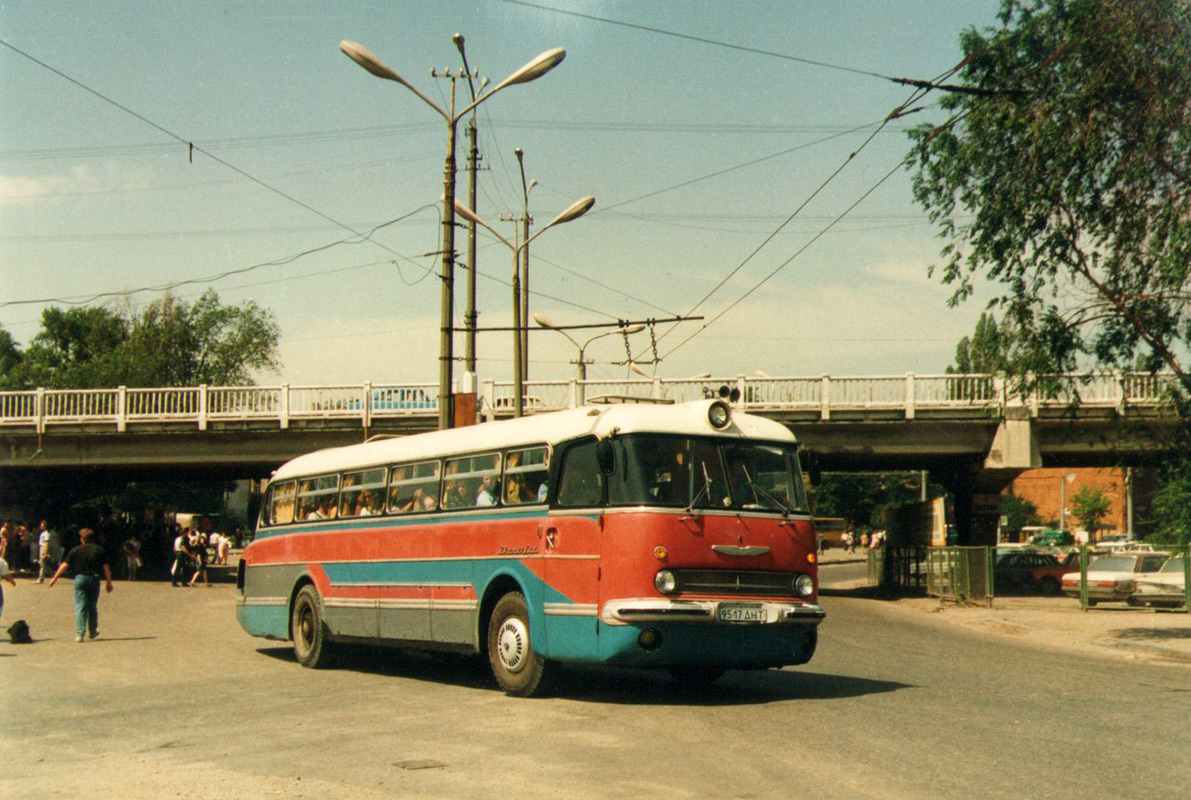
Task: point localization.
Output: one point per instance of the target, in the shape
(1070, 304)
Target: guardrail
(823, 394)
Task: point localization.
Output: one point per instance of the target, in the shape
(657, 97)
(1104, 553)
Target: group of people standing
(192, 552)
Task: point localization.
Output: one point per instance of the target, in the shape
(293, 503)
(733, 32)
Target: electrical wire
(166, 287)
(192, 147)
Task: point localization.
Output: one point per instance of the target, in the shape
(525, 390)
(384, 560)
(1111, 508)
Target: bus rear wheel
(309, 633)
(518, 669)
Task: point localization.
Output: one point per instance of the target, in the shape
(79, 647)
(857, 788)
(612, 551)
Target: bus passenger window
(363, 493)
(579, 484)
(317, 496)
(472, 481)
(414, 488)
(280, 508)
(525, 475)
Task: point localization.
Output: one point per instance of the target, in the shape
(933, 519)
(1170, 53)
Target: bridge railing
(824, 394)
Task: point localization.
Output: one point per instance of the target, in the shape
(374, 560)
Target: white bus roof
(551, 428)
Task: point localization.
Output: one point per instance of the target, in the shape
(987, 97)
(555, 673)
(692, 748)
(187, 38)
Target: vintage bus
(641, 535)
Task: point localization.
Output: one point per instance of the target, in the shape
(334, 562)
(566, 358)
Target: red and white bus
(640, 535)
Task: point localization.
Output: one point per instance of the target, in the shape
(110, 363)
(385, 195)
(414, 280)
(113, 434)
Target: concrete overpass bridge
(970, 431)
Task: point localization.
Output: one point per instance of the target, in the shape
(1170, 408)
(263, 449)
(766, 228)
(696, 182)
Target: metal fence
(1174, 577)
(956, 574)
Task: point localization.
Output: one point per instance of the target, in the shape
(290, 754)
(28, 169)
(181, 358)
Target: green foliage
(861, 498)
(1171, 506)
(1065, 180)
(10, 361)
(1018, 513)
(169, 343)
(986, 352)
(1090, 506)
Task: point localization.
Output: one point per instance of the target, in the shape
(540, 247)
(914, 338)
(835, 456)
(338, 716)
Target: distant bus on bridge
(642, 535)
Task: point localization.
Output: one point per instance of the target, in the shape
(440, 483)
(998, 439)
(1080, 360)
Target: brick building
(1042, 487)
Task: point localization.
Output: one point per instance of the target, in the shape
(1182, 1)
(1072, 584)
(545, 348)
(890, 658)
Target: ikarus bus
(675, 537)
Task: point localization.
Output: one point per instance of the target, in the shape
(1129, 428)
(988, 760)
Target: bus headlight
(666, 582)
(719, 415)
(804, 585)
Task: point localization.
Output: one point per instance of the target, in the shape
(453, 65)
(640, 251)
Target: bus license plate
(741, 614)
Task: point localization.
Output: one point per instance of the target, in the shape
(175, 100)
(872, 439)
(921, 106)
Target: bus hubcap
(513, 644)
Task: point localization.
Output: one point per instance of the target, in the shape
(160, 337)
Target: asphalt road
(174, 700)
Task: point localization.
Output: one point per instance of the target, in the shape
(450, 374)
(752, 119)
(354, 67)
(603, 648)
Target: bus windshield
(706, 472)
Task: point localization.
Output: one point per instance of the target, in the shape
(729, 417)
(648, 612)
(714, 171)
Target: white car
(1165, 588)
(1111, 577)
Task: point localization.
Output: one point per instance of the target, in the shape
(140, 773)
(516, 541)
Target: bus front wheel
(518, 669)
(309, 633)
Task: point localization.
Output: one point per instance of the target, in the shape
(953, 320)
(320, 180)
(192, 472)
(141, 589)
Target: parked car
(1165, 588)
(1052, 539)
(1027, 571)
(1111, 577)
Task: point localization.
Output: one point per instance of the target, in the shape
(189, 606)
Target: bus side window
(579, 483)
(472, 481)
(525, 475)
(363, 493)
(281, 503)
(317, 496)
(414, 488)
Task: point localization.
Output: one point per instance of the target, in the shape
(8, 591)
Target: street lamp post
(545, 322)
(531, 71)
(576, 210)
(526, 220)
(1066, 479)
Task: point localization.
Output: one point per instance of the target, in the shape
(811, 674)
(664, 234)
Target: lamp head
(368, 60)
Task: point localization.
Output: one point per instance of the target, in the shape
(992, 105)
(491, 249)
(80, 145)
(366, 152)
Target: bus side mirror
(813, 469)
(605, 456)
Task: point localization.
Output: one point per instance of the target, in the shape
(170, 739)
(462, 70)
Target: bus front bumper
(725, 612)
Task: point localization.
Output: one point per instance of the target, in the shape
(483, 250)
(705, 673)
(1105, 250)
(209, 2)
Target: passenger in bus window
(364, 506)
(485, 496)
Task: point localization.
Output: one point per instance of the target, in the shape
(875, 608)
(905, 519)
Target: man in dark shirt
(87, 563)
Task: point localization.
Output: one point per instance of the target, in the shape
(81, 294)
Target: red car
(1029, 572)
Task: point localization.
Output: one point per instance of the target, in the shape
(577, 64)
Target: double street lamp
(545, 322)
(531, 71)
(576, 210)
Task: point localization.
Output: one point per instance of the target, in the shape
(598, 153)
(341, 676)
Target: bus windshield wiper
(705, 490)
(760, 493)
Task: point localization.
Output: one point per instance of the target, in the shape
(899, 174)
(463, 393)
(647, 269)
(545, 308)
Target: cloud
(31, 190)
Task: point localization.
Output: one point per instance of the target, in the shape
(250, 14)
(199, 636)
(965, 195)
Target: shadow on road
(594, 684)
(1151, 634)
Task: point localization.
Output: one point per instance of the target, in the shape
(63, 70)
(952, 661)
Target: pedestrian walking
(132, 556)
(181, 558)
(5, 575)
(88, 563)
(198, 548)
(45, 541)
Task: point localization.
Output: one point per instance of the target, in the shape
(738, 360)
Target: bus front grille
(750, 583)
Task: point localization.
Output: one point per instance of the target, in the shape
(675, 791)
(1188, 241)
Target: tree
(1063, 177)
(11, 358)
(1090, 506)
(169, 343)
(174, 344)
(861, 498)
(78, 348)
(1018, 513)
(986, 352)
(1172, 503)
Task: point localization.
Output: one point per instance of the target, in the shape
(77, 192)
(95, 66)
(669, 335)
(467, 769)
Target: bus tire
(309, 632)
(518, 669)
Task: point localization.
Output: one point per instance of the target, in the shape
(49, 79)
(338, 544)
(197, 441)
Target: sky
(724, 143)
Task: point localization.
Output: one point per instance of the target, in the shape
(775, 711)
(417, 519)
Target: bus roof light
(719, 415)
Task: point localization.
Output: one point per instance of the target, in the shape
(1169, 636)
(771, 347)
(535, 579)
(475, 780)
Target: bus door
(572, 536)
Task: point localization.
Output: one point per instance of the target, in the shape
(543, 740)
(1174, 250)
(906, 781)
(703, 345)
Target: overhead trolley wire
(193, 148)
